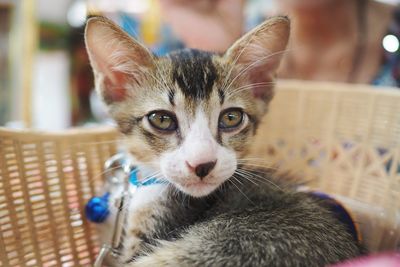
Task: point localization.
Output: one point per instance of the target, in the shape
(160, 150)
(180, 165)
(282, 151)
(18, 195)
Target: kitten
(189, 119)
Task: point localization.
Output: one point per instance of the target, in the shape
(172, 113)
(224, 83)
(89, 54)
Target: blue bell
(97, 208)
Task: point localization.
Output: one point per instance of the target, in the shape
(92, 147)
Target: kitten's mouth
(199, 184)
(198, 189)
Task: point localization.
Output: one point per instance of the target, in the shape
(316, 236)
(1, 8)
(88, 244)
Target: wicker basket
(344, 140)
(45, 181)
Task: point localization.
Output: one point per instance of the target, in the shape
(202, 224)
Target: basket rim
(340, 87)
(75, 132)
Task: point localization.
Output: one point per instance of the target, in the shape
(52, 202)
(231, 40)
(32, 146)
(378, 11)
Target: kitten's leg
(156, 213)
(169, 254)
(143, 209)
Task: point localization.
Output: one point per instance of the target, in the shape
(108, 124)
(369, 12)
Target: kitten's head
(192, 114)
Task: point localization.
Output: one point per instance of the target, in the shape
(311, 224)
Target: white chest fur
(142, 205)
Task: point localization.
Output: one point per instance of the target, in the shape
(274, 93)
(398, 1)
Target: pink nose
(202, 169)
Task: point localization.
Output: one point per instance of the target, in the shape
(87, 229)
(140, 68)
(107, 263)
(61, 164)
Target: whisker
(136, 35)
(133, 66)
(240, 182)
(238, 188)
(263, 178)
(255, 84)
(253, 64)
(252, 177)
(151, 176)
(164, 82)
(233, 64)
(247, 178)
(255, 160)
(252, 158)
(264, 181)
(103, 173)
(263, 166)
(248, 87)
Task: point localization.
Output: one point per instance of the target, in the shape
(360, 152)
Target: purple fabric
(378, 260)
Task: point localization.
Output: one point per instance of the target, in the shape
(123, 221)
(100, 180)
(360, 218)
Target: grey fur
(247, 225)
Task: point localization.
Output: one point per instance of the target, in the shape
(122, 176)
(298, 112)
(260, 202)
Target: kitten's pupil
(231, 117)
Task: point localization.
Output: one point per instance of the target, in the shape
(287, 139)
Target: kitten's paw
(146, 261)
(169, 254)
(154, 261)
(131, 248)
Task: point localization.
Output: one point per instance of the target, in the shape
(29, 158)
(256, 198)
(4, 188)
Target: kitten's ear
(258, 53)
(119, 62)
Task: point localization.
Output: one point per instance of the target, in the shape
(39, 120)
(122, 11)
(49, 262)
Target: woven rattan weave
(45, 181)
(342, 139)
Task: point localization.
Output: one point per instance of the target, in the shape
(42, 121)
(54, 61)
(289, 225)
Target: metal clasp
(119, 162)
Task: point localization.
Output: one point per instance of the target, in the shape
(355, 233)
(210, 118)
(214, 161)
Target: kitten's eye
(162, 120)
(230, 119)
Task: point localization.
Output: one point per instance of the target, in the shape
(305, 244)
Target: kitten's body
(190, 118)
(243, 224)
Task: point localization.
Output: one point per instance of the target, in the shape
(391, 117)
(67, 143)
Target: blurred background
(45, 78)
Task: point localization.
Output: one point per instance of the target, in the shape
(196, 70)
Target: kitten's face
(190, 115)
(189, 123)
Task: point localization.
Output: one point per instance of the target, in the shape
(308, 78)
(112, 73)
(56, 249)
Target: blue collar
(97, 209)
(150, 181)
